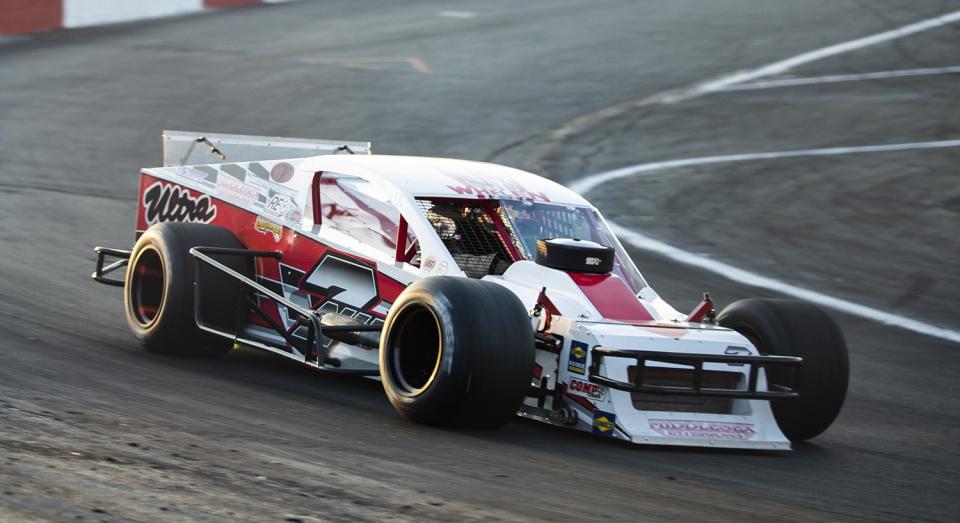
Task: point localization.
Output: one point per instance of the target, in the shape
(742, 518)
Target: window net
(470, 235)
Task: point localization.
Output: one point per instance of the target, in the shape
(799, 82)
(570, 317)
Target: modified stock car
(475, 292)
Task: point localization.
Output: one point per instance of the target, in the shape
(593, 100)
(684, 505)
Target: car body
(354, 230)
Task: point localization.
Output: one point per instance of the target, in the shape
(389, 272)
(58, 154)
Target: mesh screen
(673, 377)
(470, 235)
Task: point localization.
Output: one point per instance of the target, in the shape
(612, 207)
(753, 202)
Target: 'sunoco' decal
(578, 357)
(604, 423)
(164, 202)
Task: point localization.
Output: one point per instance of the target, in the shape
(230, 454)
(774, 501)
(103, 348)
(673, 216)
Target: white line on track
(835, 78)
(825, 52)
(641, 241)
(730, 272)
(585, 122)
(589, 183)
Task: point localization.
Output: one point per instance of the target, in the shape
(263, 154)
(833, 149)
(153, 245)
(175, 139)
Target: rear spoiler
(197, 148)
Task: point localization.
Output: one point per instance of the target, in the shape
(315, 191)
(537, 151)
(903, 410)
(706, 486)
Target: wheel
(796, 328)
(457, 351)
(159, 289)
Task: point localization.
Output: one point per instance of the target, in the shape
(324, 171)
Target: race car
(475, 292)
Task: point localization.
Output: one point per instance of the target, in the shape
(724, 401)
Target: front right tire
(797, 328)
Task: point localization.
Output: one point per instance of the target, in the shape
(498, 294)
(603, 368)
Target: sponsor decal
(585, 388)
(592, 260)
(268, 186)
(278, 205)
(265, 226)
(442, 268)
(163, 202)
(282, 172)
(604, 422)
(197, 175)
(484, 187)
(295, 215)
(577, 362)
(429, 263)
(230, 187)
(702, 429)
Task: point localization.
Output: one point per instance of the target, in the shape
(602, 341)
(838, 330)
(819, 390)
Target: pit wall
(27, 16)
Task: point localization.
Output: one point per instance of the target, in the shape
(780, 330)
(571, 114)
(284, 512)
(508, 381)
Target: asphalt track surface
(94, 428)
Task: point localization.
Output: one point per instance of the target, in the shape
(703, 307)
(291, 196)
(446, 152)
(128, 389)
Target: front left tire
(457, 351)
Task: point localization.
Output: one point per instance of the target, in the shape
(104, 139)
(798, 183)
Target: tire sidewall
(169, 317)
(440, 399)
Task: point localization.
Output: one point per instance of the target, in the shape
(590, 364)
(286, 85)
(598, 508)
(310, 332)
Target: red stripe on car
(611, 296)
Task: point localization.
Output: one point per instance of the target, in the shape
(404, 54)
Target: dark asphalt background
(94, 428)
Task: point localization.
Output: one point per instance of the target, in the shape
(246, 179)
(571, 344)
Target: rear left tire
(159, 289)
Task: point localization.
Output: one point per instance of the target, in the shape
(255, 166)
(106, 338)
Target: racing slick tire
(159, 289)
(457, 352)
(796, 328)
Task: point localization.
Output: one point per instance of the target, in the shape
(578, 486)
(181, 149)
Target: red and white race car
(475, 292)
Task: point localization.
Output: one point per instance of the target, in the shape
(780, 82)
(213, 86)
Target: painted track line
(589, 183)
(585, 122)
(730, 272)
(783, 66)
(643, 242)
(835, 78)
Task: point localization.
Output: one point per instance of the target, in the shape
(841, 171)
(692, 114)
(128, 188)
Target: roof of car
(446, 177)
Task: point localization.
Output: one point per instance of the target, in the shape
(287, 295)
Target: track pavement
(92, 427)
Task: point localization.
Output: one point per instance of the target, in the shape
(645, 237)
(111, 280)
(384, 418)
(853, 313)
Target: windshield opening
(532, 221)
(485, 237)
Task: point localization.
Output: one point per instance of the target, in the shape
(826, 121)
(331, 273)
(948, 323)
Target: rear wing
(197, 148)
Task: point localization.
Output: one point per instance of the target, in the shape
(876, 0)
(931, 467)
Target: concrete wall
(25, 16)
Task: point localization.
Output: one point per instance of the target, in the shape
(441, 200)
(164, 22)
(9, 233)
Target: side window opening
(473, 233)
(360, 209)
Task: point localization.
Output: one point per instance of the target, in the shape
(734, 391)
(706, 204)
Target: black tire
(457, 351)
(159, 287)
(796, 328)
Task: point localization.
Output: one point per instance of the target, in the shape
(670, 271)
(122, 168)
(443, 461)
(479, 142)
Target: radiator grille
(679, 377)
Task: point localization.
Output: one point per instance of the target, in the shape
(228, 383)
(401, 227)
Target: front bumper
(689, 385)
(696, 362)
